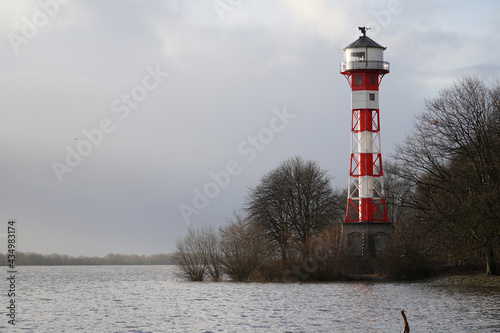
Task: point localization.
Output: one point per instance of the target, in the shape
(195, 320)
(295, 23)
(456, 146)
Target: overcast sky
(122, 122)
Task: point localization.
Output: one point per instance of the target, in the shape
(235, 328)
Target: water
(153, 299)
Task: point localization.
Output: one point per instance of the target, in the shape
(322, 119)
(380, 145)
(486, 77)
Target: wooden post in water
(406, 329)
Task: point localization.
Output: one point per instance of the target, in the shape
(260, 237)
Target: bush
(198, 254)
(243, 248)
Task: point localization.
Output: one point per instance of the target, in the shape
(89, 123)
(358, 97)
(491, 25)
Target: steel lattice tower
(364, 68)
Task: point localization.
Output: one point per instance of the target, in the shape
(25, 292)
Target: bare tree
(452, 160)
(292, 203)
(210, 251)
(189, 256)
(244, 248)
(396, 191)
(198, 254)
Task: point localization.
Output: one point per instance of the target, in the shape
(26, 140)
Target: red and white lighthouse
(366, 221)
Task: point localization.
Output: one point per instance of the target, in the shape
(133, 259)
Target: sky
(122, 123)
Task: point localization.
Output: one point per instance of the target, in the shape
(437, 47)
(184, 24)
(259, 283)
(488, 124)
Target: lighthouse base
(363, 243)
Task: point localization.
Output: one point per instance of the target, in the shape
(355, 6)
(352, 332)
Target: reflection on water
(152, 299)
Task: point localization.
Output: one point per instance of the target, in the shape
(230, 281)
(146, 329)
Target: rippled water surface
(152, 299)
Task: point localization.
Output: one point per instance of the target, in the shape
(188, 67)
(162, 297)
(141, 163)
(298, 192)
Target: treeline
(444, 184)
(289, 229)
(36, 259)
(442, 190)
(241, 251)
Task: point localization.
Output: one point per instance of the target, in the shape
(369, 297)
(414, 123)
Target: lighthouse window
(358, 56)
(359, 80)
(371, 97)
(371, 80)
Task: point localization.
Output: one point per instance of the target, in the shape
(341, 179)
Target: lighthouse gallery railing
(370, 64)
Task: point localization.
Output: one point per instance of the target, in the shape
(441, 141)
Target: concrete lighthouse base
(363, 244)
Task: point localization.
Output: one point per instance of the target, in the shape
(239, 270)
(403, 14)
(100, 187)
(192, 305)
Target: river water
(153, 299)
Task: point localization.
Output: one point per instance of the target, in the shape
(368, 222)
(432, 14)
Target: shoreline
(471, 280)
(465, 278)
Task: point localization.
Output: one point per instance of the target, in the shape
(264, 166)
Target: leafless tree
(292, 203)
(405, 241)
(396, 192)
(452, 160)
(198, 254)
(210, 251)
(243, 247)
(189, 257)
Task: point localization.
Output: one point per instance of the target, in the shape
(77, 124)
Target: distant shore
(54, 259)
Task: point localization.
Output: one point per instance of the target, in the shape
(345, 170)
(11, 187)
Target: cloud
(285, 60)
(325, 19)
(225, 78)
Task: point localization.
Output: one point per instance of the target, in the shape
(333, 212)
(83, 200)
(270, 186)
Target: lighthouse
(366, 226)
